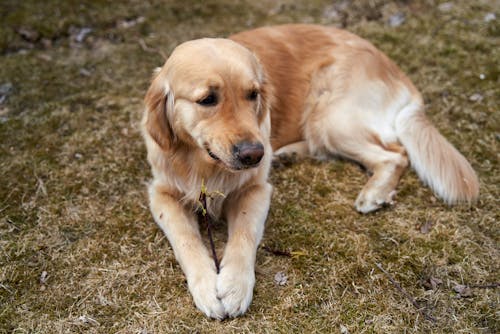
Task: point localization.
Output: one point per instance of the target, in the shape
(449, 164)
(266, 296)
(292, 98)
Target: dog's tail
(435, 160)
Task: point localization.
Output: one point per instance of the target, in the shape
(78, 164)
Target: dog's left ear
(159, 99)
(267, 98)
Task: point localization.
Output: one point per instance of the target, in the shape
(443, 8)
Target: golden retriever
(219, 108)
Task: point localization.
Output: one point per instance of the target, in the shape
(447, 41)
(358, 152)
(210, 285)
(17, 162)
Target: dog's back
(335, 93)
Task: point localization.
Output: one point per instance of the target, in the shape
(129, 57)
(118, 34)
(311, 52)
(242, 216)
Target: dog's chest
(217, 188)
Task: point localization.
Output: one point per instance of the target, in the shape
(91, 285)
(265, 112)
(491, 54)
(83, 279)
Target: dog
(218, 109)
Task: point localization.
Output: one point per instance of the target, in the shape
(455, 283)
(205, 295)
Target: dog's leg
(353, 138)
(387, 167)
(246, 215)
(357, 125)
(289, 154)
(385, 163)
(181, 229)
(299, 148)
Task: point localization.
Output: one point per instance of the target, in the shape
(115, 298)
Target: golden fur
(296, 88)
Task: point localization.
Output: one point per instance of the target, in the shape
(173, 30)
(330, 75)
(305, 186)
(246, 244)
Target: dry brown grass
(73, 173)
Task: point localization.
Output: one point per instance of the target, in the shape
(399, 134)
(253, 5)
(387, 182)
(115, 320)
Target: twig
(204, 216)
(277, 251)
(146, 48)
(406, 294)
(484, 286)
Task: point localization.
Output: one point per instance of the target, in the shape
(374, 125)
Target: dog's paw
(369, 201)
(235, 289)
(204, 292)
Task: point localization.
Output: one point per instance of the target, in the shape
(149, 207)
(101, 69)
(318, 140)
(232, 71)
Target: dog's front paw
(369, 201)
(203, 290)
(235, 288)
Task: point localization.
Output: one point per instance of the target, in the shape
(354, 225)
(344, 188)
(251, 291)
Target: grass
(73, 173)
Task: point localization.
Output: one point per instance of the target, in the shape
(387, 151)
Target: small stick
(485, 286)
(146, 48)
(277, 251)
(406, 294)
(203, 216)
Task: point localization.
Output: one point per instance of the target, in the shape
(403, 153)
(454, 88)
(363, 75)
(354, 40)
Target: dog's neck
(183, 169)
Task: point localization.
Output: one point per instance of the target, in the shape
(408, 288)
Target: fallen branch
(406, 294)
(204, 217)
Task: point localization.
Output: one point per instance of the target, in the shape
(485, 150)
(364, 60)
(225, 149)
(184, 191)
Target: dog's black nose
(247, 153)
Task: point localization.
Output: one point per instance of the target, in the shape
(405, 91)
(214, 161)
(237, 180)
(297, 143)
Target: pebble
(397, 19)
(476, 97)
(446, 6)
(280, 278)
(489, 17)
(5, 90)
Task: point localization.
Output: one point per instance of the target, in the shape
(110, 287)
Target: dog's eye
(209, 100)
(252, 95)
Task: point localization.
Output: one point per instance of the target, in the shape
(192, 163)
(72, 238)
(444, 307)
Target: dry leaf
(432, 283)
(463, 290)
(426, 227)
(296, 254)
(435, 282)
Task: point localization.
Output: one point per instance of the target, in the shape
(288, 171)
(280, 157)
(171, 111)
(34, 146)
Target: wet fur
(322, 91)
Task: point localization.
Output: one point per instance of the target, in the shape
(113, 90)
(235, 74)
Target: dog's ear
(267, 98)
(158, 101)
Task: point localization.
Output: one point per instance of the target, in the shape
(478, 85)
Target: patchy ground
(79, 252)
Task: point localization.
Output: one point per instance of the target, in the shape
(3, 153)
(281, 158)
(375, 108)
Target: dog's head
(210, 95)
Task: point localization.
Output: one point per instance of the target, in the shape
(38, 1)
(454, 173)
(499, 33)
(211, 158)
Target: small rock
(28, 34)
(43, 277)
(426, 227)
(47, 43)
(432, 283)
(5, 90)
(78, 156)
(397, 19)
(476, 97)
(4, 111)
(435, 282)
(44, 56)
(79, 35)
(125, 24)
(331, 13)
(463, 290)
(446, 6)
(88, 320)
(85, 72)
(276, 9)
(280, 278)
(489, 17)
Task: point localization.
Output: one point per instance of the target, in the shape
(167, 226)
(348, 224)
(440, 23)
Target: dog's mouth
(234, 165)
(213, 156)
